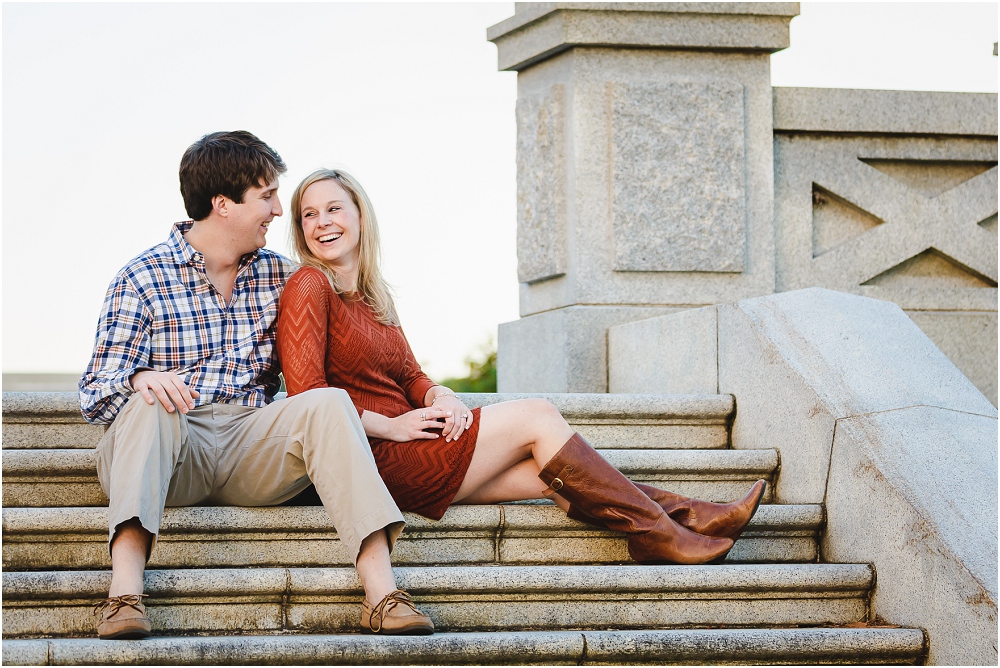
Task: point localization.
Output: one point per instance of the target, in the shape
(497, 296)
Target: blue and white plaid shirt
(162, 313)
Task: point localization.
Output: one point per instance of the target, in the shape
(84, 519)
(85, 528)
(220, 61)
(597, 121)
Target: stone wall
(893, 195)
(658, 171)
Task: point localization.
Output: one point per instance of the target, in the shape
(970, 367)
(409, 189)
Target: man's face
(248, 220)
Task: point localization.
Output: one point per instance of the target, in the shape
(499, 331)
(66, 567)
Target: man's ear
(220, 205)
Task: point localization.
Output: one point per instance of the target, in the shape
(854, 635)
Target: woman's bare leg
(510, 433)
(518, 483)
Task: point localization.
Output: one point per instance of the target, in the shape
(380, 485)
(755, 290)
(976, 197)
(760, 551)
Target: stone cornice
(538, 31)
(885, 111)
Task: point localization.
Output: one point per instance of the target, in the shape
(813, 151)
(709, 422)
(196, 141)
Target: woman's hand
(457, 418)
(411, 426)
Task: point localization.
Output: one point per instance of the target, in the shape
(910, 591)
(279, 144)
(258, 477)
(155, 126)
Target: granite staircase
(505, 584)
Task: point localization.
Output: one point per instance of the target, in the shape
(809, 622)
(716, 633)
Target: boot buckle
(557, 482)
(553, 487)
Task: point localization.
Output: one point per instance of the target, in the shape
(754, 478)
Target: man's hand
(167, 386)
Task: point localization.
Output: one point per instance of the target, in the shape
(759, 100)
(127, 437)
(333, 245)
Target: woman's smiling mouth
(328, 238)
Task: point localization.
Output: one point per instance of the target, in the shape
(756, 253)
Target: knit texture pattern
(330, 340)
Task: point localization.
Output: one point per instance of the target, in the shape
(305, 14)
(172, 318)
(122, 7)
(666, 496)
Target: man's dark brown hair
(228, 164)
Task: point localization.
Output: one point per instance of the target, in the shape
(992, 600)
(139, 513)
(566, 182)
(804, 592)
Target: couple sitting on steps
(185, 368)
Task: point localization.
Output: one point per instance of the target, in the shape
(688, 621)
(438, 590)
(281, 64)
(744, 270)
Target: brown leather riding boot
(705, 517)
(709, 519)
(598, 489)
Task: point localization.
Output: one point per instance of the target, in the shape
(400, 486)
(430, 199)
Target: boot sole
(719, 560)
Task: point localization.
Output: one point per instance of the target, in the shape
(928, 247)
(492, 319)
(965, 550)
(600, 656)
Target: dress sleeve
(412, 379)
(303, 316)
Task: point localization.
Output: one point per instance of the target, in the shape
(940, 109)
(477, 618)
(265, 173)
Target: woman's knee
(543, 410)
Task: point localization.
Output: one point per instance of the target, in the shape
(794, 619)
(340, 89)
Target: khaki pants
(220, 454)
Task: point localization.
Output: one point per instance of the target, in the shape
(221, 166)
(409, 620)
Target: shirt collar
(185, 253)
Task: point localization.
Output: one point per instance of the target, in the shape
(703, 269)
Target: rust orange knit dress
(330, 340)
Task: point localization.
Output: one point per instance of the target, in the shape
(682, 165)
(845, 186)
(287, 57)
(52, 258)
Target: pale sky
(100, 101)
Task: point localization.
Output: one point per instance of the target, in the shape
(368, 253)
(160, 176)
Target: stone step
(857, 646)
(635, 421)
(76, 538)
(68, 477)
(457, 598)
(53, 420)
(46, 420)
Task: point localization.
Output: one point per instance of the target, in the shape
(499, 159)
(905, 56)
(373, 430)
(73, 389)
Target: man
(184, 372)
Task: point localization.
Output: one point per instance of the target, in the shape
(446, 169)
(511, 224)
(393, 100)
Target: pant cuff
(388, 518)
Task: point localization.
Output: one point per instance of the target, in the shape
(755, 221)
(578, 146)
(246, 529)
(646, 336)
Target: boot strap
(557, 482)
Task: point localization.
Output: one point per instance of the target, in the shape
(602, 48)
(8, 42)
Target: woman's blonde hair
(371, 286)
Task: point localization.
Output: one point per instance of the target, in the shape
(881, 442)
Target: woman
(337, 326)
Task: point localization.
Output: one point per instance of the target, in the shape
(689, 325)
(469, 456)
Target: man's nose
(276, 208)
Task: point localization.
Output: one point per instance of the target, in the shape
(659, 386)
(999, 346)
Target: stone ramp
(458, 598)
(76, 538)
(68, 476)
(878, 646)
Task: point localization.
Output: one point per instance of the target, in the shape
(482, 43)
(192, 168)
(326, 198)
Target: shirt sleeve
(303, 316)
(412, 379)
(122, 346)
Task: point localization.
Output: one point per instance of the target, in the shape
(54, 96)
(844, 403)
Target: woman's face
(331, 224)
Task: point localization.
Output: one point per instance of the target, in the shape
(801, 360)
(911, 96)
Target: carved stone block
(903, 219)
(541, 193)
(678, 177)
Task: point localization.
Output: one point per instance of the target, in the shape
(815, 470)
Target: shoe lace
(116, 603)
(398, 597)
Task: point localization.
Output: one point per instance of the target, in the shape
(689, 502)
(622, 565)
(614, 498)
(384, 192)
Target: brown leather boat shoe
(123, 617)
(395, 615)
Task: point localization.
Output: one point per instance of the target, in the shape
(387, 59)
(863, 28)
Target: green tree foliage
(482, 371)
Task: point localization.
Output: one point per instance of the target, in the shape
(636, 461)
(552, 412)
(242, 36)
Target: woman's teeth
(329, 237)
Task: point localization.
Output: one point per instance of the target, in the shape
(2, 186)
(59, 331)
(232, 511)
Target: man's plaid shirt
(162, 313)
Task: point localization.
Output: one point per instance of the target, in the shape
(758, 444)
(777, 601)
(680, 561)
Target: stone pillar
(645, 172)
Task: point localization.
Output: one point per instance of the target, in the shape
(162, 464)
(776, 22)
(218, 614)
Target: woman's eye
(334, 208)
